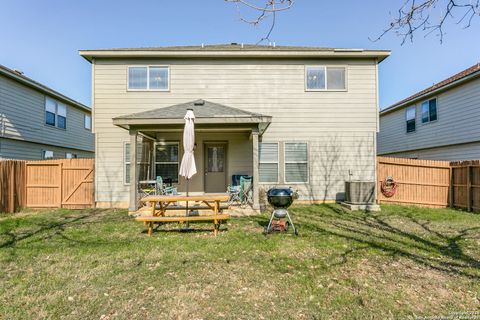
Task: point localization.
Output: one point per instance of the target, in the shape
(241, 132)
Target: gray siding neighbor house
(37, 122)
(438, 123)
(303, 117)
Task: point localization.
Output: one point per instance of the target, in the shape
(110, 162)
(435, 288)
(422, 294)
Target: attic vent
(199, 103)
(20, 72)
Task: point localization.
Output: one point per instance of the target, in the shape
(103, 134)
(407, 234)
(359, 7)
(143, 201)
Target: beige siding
(343, 121)
(24, 150)
(458, 113)
(467, 151)
(22, 117)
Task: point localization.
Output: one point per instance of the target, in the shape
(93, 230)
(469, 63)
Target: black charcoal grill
(280, 199)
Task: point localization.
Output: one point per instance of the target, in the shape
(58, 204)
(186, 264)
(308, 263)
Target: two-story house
(438, 123)
(37, 122)
(295, 116)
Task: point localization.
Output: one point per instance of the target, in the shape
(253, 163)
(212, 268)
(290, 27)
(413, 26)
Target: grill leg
(267, 230)
(291, 222)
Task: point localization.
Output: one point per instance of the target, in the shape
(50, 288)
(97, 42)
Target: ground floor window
(296, 162)
(144, 156)
(166, 161)
(268, 162)
(70, 155)
(47, 154)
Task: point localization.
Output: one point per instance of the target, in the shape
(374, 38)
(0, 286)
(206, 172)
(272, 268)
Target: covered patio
(226, 140)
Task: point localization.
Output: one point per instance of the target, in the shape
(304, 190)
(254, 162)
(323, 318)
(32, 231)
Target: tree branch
(414, 16)
(269, 9)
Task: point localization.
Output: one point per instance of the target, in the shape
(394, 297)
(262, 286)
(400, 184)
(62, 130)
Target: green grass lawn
(402, 262)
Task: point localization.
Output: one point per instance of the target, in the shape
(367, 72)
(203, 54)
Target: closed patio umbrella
(187, 167)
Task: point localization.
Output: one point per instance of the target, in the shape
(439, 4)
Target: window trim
(172, 142)
(56, 114)
(148, 66)
(285, 162)
(436, 107)
(325, 66)
(277, 163)
(84, 118)
(415, 118)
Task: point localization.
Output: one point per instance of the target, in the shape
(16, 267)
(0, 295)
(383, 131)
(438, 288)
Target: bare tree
(262, 10)
(430, 16)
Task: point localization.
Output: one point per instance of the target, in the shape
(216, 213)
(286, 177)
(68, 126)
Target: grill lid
(280, 192)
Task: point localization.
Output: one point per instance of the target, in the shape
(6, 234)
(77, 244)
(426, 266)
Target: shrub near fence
(12, 185)
(432, 183)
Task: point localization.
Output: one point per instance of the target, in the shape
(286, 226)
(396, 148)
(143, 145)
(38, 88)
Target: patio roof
(206, 112)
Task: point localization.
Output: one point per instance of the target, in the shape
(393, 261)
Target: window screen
(268, 162)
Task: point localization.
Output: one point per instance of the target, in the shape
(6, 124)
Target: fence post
(469, 189)
(60, 165)
(452, 188)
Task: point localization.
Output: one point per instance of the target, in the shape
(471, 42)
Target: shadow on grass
(52, 226)
(416, 240)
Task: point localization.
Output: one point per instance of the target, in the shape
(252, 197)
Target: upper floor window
(429, 110)
(55, 113)
(322, 78)
(87, 122)
(410, 115)
(148, 78)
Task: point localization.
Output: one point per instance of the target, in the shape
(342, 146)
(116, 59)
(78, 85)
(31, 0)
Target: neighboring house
(438, 123)
(292, 116)
(37, 122)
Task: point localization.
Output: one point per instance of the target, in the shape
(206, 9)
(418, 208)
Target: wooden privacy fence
(64, 183)
(12, 185)
(431, 183)
(465, 186)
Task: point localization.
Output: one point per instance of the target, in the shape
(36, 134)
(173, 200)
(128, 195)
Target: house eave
(128, 123)
(380, 55)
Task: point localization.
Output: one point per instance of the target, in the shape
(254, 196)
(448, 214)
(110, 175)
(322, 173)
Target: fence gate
(66, 183)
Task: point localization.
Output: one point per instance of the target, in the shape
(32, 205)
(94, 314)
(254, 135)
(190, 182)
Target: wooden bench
(165, 203)
(216, 219)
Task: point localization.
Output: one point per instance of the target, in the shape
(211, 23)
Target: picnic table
(160, 204)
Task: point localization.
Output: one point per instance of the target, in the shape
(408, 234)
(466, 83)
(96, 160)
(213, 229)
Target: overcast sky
(42, 37)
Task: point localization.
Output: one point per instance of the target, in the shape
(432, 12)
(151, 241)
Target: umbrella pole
(186, 208)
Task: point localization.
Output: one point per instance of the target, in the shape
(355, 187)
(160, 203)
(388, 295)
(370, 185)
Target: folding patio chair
(246, 191)
(162, 189)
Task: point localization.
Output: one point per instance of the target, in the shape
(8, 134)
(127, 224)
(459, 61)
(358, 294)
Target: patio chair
(246, 191)
(234, 190)
(162, 189)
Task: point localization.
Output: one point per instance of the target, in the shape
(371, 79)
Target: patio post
(133, 203)
(256, 203)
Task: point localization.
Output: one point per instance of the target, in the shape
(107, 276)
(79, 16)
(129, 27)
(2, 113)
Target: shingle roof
(201, 109)
(230, 46)
(17, 76)
(457, 77)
